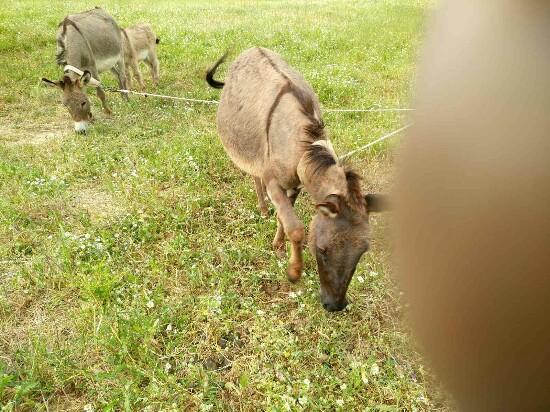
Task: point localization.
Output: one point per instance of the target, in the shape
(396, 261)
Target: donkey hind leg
(260, 193)
(293, 227)
(101, 95)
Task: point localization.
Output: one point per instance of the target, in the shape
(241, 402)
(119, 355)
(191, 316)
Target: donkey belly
(106, 63)
(244, 149)
(142, 55)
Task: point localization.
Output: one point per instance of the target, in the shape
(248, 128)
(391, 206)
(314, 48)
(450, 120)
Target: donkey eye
(83, 105)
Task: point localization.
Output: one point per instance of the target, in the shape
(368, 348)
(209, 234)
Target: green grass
(135, 270)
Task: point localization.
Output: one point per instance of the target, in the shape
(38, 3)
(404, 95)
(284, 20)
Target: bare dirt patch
(31, 135)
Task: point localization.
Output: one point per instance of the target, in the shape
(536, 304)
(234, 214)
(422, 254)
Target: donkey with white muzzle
(88, 44)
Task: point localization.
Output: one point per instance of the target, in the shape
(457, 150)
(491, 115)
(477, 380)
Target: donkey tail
(210, 74)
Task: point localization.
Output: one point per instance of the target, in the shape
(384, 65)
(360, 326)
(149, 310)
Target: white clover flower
(340, 402)
(169, 327)
(307, 382)
(373, 273)
(360, 279)
(167, 367)
(302, 400)
(88, 408)
(374, 369)
(150, 304)
(343, 386)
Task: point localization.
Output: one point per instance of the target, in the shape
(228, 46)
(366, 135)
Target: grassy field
(136, 272)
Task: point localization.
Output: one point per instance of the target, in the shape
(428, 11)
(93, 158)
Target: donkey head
(75, 99)
(338, 237)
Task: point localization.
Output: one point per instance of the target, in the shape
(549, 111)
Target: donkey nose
(80, 127)
(335, 306)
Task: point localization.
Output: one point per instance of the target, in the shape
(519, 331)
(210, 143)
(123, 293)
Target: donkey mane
(319, 158)
(60, 57)
(316, 156)
(355, 197)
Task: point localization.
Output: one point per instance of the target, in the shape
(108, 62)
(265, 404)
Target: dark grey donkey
(88, 44)
(269, 121)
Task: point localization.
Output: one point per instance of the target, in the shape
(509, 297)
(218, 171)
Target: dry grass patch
(98, 204)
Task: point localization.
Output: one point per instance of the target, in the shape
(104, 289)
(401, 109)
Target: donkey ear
(330, 207)
(85, 78)
(58, 83)
(377, 203)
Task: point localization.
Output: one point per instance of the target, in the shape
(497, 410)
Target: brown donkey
(269, 121)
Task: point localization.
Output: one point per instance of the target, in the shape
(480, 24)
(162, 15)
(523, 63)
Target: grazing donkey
(140, 44)
(269, 121)
(88, 43)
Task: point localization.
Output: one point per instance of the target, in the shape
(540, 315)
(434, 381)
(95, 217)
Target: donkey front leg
(260, 193)
(128, 77)
(102, 97)
(292, 226)
(137, 73)
(153, 62)
(120, 72)
(279, 240)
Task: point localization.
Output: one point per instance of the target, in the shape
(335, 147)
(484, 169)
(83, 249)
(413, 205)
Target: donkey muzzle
(81, 127)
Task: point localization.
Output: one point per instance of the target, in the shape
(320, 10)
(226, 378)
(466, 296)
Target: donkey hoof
(264, 211)
(294, 274)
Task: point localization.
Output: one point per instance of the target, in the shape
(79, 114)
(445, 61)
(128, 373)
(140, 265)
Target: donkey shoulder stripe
(284, 90)
(272, 64)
